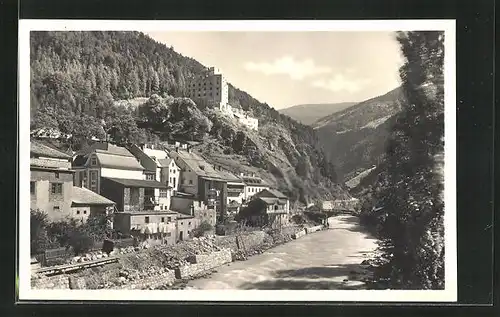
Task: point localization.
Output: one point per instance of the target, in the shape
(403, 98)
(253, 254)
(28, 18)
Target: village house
(114, 172)
(160, 167)
(188, 205)
(52, 190)
(156, 227)
(201, 180)
(271, 207)
(103, 159)
(253, 185)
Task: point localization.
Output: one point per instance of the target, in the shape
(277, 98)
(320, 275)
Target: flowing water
(329, 259)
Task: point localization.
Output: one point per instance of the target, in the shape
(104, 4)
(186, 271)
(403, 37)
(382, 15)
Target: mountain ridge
(309, 113)
(354, 138)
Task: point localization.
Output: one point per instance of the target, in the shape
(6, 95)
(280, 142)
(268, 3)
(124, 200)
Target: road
(329, 259)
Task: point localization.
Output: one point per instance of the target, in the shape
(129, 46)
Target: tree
(411, 227)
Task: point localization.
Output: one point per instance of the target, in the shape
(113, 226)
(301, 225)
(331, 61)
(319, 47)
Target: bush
(40, 240)
(80, 241)
(202, 229)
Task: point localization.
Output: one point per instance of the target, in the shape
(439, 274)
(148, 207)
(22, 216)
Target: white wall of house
(252, 190)
(122, 174)
(170, 175)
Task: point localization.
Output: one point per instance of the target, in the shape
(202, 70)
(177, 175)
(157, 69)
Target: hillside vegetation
(127, 85)
(309, 113)
(354, 139)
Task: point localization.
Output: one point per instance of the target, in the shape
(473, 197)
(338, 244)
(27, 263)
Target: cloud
(287, 65)
(341, 83)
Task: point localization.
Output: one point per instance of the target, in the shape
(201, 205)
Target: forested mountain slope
(81, 83)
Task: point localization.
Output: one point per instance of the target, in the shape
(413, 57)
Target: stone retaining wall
(250, 240)
(203, 263)
(313, 229)
(299, 234)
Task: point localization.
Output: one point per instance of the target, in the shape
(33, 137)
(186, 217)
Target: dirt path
(329, 259)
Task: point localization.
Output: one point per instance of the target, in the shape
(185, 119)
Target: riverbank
(167, 267)
(338, 258)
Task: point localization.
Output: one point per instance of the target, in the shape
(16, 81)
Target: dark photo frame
(475, 129)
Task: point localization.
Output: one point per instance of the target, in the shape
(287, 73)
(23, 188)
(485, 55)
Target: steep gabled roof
(198, 165)
(83, 196)
(39, 149)
(164, 162)
(118, 161)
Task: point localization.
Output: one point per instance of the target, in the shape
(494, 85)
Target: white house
(253, 185)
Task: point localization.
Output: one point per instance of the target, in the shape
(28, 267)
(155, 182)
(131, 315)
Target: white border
(447, 295)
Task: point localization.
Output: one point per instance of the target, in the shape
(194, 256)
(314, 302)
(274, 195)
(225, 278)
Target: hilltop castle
(213, 87)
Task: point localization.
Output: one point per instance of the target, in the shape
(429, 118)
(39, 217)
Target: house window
(78, 212)
(56, 209)
(85, 212)
(93, 161)
(57, 174)
(169, 219)
(190, 182)
(56, 188)
(146, 219)
(150, 177)
(162, 219)
(189, 223)
(182, 223)
(163, 193)
(32, 188)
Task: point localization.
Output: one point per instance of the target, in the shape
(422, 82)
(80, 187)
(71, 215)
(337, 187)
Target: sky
(285, 69)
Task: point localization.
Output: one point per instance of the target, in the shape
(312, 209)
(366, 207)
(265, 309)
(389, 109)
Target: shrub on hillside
(203, 228)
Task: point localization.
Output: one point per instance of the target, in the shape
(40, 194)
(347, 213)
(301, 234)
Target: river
(329, 259)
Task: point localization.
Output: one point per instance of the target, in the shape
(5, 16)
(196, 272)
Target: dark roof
(272, 201)
(39, 149)
(272, 192)
(83, 196)
(254, 181)
(137, 182)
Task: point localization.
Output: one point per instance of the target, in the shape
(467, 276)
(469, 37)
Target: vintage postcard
(237, 160)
